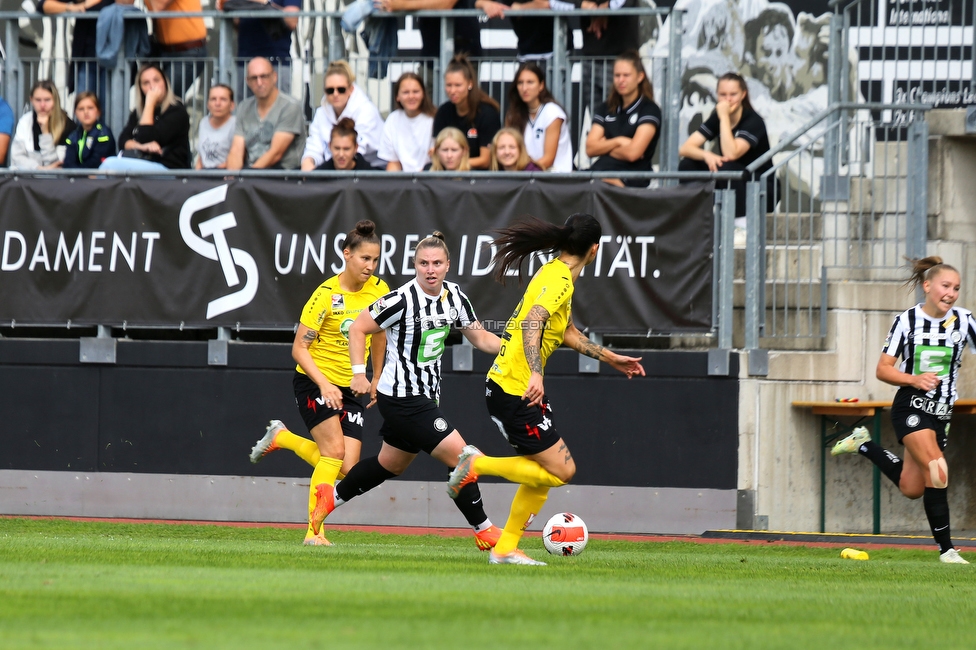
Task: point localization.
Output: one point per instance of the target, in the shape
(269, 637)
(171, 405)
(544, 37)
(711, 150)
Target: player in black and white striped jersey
(417, 318)
(930, 338)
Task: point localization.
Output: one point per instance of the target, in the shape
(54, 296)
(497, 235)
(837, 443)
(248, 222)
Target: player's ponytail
(925, 269)
(435, 240)
(531, 235)
(363, 233)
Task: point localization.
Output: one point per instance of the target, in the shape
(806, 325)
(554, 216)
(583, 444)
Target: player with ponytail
(419, 316)
(930, 338)
(515, 391)
(332, 413)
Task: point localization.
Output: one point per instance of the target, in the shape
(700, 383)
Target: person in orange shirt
(182, 42)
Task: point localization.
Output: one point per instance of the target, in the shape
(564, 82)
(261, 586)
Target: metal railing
(577, 83)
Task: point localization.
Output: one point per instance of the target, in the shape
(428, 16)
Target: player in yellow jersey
(333, 415)
(514, 388)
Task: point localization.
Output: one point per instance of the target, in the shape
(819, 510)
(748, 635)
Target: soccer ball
(565, 534)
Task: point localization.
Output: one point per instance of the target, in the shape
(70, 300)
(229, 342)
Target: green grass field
(69, 584)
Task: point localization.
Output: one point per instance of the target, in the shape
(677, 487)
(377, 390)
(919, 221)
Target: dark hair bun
(438, 234)
(365, 227)
(346, 123)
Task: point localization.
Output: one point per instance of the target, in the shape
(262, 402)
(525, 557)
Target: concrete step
(890, 158)
(794, 228)
(786, 262)
(843, 294)
(878, 194)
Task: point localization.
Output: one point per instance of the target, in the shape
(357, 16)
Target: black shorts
(529, 429)
(412, 424)
(314, 412)
(911, 412)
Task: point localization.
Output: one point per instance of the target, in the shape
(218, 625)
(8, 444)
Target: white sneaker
(516, 557)
(851, 443)
(266, 445)
(952, 557)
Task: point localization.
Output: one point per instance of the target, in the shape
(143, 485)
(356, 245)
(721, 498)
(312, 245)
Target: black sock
(889, 464)
(363, 477)
(469, 502)
(936, 504)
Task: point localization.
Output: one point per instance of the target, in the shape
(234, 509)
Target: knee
(912, 492)
(566, 472)
(939, 473)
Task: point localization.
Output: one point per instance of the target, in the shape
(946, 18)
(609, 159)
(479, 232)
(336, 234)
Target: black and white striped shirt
(927, 344)
(417, 326)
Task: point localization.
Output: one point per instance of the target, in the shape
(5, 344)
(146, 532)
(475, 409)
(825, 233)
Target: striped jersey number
(432, 344)
(933, 358)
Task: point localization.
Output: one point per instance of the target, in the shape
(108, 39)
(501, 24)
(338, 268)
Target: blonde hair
(58, 120)
(434, 240)
(451, 133)
(340, 66)
(170, 98)
(523, 157)
(925, 269)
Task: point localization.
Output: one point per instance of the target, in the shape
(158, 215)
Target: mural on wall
(781, 54)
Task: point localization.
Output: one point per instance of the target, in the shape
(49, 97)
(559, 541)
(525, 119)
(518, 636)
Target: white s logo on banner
(219, 250)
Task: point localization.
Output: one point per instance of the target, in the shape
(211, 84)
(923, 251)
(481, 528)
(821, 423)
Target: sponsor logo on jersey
(472, 133)
(933, 358)
(344, 327)
(633, 119)
(338, 302)
(440, 424)
(913, 420)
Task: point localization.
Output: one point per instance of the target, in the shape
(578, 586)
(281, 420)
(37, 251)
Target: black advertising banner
(249, 252)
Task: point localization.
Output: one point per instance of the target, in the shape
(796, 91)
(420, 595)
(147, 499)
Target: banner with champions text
(249, 252)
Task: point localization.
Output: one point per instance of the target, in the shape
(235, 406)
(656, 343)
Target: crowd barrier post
(672, 109)
(11, 73)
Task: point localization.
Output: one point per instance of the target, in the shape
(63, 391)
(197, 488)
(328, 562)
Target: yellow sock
(526, 506)
(304, 448)
(326, 471)
(516, 469)
(340, 476)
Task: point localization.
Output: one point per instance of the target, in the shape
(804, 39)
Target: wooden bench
(830, 412)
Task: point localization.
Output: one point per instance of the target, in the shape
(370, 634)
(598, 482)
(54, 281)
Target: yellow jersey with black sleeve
(330, 311)
(552, 289)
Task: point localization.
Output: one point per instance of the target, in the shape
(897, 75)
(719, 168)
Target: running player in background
(930, 339)
(419, 315)
(332, 413)
(514, 389)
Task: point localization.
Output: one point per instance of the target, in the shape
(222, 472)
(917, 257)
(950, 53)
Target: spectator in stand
(270, 130)
(508, 153)
(533, 111)
(39, 141)
(157, 135)
(83, 73)
(742, 139)
(255, 39)
(343, 98)
(6, 130)
(405, 145)
(604, 37)
(626, 127)
(91, 142)
(534, 33)
(467, 31)
(469, 110)
(216, 132)
(344, 147)
(450, 152)
(182, 42)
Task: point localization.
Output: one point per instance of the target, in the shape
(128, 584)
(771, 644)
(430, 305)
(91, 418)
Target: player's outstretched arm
(629, 366)
(487, 342)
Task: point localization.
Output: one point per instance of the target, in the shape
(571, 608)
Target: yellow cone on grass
(853, 554)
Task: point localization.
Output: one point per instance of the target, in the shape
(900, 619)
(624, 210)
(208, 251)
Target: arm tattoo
(532, 337)
(589, 348)
(569, 456)
(310, 336)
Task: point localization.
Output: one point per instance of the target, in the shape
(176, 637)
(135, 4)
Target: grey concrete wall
(397, 503)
